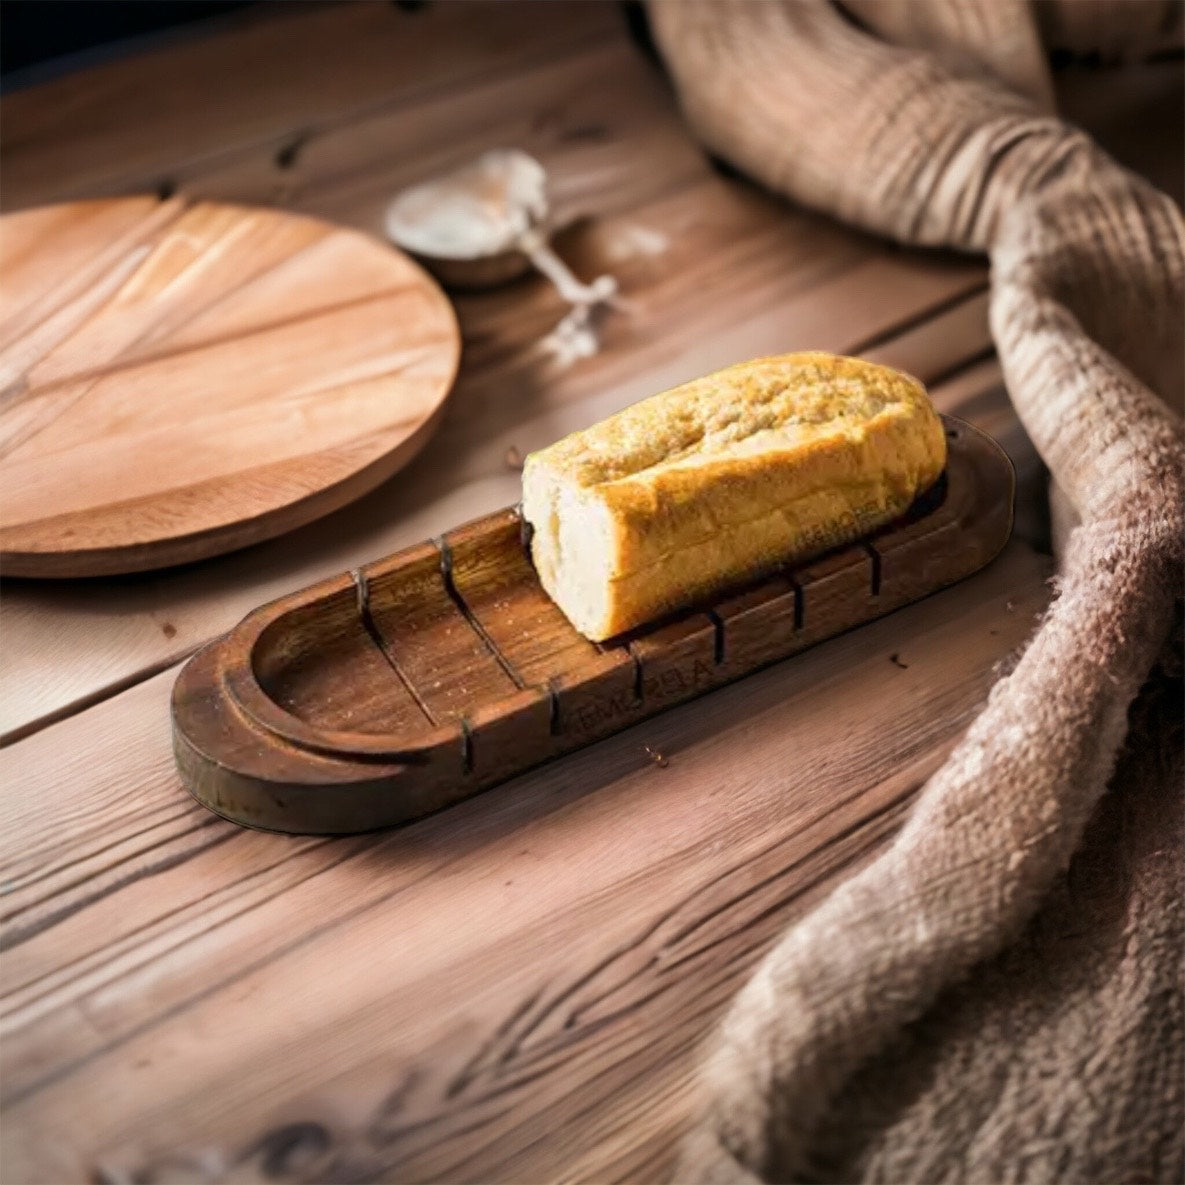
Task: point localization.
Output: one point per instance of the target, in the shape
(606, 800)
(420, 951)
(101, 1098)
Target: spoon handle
(573, 290)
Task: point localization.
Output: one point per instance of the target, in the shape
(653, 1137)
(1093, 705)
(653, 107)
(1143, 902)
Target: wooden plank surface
(67, 644)
(266, 84)
(501, 991)
(713, 271)
(514, 989)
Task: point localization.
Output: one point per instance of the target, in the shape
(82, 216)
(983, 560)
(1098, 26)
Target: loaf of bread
(719, 481)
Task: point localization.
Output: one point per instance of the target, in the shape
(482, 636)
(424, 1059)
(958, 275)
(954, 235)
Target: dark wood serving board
(422, 678)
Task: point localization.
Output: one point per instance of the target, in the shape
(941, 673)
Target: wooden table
(514, 989)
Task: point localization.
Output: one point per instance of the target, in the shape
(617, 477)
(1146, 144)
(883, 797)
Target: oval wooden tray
(414, 682)
(178, 380)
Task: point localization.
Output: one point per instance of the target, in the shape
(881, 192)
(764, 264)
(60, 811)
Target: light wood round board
(178, 380)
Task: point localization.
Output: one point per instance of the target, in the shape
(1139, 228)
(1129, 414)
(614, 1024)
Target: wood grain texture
(287, 73)
(115, 632)
(713, 270)
(513, 989)
(182, 380)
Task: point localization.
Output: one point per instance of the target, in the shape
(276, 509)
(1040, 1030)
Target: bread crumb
(659, 759)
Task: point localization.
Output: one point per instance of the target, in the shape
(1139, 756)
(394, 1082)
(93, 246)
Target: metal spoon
(485, 224)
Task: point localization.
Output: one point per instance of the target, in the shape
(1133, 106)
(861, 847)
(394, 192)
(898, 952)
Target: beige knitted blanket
(998, 997)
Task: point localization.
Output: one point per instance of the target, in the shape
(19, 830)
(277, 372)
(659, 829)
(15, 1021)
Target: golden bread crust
(722, 479)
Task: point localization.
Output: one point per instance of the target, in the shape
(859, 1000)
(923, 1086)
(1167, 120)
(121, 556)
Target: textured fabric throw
(998, 997)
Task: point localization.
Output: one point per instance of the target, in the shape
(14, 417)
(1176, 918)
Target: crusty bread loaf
(723, 479)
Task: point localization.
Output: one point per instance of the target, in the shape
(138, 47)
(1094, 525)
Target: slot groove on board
(718, 649)
(875, 558)
(593, 685)
(639, 675)
(362, 586)
(450, 587)
(553, 709)
(466, 745)
(799, 605)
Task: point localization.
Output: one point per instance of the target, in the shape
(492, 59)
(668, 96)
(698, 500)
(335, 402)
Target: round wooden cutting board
(178, 380)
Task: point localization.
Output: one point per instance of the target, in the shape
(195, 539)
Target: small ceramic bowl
(485, 224)
(466, 227)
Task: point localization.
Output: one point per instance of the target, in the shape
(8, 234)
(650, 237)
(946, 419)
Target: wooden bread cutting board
(181, 379)
(425, 677)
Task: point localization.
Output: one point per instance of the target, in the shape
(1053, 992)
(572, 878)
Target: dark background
(37, 33)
